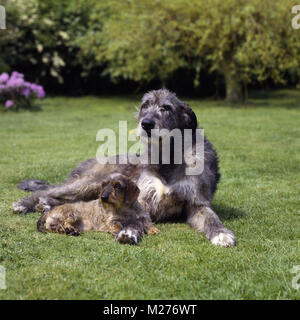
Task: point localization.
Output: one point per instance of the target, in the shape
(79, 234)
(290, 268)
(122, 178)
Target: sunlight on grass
(258, 198)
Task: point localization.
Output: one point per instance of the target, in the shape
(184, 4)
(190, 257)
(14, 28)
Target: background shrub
(17, 93)
(198, 46)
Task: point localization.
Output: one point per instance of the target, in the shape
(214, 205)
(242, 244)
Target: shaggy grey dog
(166, 190)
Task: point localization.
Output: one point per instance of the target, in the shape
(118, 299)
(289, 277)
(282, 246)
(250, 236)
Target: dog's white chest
(156, 197)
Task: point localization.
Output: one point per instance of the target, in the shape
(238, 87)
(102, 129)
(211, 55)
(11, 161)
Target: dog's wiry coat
(166, 191)
(120, 210)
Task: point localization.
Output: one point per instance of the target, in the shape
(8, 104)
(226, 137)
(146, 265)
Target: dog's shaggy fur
(166, 191)
(116, 208)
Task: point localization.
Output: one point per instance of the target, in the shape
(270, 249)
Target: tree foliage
(242, 41)
(133, 43)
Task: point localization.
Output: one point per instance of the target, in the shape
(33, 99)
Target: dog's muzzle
(148, 125)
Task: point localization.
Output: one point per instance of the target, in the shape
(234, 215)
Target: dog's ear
(189, 117)
(132, 192)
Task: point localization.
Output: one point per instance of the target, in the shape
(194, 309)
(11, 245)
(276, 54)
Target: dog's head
(118, 191)
(161, 109)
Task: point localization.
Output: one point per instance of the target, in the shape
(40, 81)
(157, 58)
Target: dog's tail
(33, 185)
(41, 223)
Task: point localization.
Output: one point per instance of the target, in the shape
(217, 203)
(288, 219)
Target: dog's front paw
(128, 236)
(223, 237)
(18, 207)
(71, 231)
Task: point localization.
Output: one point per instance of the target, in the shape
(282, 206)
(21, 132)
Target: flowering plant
(15, 92)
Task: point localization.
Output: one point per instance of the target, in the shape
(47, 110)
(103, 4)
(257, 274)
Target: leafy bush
(243, 41)
(17, 93)
(70, 44)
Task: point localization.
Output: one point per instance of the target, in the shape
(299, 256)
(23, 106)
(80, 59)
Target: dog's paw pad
(224, 239)
(127, 236)
(18, 208)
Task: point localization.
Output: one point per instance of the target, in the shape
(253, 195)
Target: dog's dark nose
(148, 124)
(104, 197)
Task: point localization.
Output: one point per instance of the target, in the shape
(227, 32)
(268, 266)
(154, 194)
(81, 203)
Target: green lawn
(258, 198)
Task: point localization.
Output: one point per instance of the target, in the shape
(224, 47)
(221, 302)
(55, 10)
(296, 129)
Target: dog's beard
(108, 206)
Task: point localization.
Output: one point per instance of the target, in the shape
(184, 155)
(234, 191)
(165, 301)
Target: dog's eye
(144, 106)
(165, 107)
(117, 185)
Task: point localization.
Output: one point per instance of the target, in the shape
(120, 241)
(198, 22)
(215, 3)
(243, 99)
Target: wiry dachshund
(116, 208)
(166, 190)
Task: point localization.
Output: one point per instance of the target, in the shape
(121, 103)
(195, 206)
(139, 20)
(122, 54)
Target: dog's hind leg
(59, 221)
(33, 185)
(205, 220)
(63, 226)
(40, 201)
(70, 227)
(37, 185)
(82, 189)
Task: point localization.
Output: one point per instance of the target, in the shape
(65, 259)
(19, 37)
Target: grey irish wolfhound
(166, 191)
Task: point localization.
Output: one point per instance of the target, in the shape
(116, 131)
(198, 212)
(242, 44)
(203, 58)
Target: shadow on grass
(227, 213)
(286, 98)
(33, 108)
(36, 108)
(224, 213)
(289, 99)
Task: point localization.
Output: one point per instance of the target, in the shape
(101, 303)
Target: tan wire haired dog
(116, 208)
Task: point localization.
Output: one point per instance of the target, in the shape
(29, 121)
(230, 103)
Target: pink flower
(25, 92)
(14, 89)
(27, 84)
(17, 75)
(15, 82)
(4, 77)
(9, 103)
(39, 90)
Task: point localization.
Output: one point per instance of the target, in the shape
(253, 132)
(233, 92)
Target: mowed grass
(258, 198)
